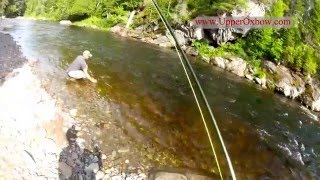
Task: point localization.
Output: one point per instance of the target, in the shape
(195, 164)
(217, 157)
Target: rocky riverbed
(33, 127)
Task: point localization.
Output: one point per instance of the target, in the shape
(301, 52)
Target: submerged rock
(65, 22)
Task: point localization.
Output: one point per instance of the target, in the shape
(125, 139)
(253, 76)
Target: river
(143, 104)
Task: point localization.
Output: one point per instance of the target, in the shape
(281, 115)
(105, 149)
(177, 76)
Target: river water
(143, 104)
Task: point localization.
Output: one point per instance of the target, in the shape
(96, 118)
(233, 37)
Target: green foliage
(3, 5)
(276, 49)
(224, 50)
(102, 23)
(91, 12)
(149, 14)
(289, 46)
(259, 73)
(12, 8)
(278, 9)
(213, 7)
(286, 46)
(314, 25)
(204, 49)
(297, 47)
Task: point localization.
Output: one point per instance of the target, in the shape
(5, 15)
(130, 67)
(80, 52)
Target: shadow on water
(142, 102)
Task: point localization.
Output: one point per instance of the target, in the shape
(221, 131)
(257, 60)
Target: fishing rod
(187, 66)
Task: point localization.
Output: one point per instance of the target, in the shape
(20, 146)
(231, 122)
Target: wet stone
(74, 155)
(99, 175)
(113, 155)
(65, 170)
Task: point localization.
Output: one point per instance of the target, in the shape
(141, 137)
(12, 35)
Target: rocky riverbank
(10, 58)
(278, 78)
(33, 144)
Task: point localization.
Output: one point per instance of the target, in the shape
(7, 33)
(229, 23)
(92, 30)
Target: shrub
(101, 22)
(259, 73)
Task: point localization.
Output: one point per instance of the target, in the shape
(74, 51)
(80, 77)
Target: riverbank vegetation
(297, 47)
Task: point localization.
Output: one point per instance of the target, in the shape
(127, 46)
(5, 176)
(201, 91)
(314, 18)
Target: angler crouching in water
(78, 69)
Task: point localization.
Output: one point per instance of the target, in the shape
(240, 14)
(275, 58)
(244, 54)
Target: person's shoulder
(79, 57)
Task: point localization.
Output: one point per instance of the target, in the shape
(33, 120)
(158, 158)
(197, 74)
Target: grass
(100, 23)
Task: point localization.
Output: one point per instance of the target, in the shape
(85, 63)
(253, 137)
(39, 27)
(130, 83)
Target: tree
(3, 5)
(15, 8)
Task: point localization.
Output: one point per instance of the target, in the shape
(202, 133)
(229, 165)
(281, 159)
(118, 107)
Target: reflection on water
(142, 101)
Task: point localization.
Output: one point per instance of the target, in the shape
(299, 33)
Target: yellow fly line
(186, 65)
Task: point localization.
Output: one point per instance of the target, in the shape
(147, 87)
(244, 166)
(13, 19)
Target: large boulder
(270, 67)
(161, 39)
(219, 61)
(292, 85)
(65, 22)
(261, 81)
(222, 35)
(311, 96)
(237, 66)
(253, 9)
(198, 34)
(285, 81)
(180, 36)
(234, 65)
(166, 45)
(135, 34)
(192, 51)
(116, 29)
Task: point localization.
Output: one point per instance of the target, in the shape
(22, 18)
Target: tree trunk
(130, 19)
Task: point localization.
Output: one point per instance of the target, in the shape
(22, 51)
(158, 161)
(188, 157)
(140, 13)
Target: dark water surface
(143, 90)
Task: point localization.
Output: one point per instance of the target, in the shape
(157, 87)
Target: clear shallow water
(143, 90)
